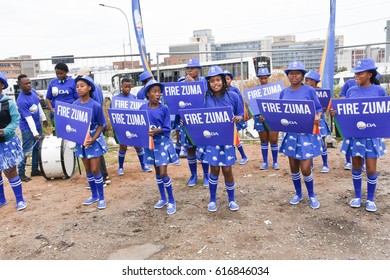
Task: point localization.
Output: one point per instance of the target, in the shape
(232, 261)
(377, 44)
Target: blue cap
(181, 79)
(87, 79)
(229, 74)
(263, 72)
(194, 63)
(214, 71)
(296, 66)
(3, 79)
(150, 84)
(145, 75)
(314, 76)
(364, 64)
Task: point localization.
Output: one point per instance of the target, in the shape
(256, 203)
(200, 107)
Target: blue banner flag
(72, 122)
(183, 95)
(363, 117)
(268, 91)
(327, 61)
(209, 126)
(139, 33)
(131, 126)
(324, 96)
(289, 115)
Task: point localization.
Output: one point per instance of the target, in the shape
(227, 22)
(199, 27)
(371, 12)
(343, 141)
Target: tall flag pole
(327, 61)
(139, 33)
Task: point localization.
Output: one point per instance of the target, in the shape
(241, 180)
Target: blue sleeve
(239, 110)
(49, 94)
(24, 110)
(344, 89)
(167, 120)
(100, 115)
(9, 130)
(382, 91)
(317, 103)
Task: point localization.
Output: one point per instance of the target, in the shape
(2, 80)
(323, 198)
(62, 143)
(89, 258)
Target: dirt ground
(57, 226)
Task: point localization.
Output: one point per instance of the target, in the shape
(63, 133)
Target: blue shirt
(236, 90)
(159, 117)
(303, 93)
(348, 84)
(97, 113)
(229, 99)
(371, 91)
(28, 105)
(64, 92)
(141, 94)
(97, 95)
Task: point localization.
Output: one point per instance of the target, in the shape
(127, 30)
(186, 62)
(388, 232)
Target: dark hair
(21, 76)
(373, 79)
(125, 80)
(62, 66)
(224, 85)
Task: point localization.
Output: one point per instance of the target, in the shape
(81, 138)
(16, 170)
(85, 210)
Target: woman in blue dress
(164, 151)
(94, 146)
(10, 147)
(312, 79)
(242, 124)
(301, 148)
(220, 157)
(369, 148)
(266, 136)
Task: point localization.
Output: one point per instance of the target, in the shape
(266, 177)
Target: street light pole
(128, 30)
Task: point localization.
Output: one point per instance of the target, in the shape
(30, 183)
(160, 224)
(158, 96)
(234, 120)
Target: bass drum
(57, 158)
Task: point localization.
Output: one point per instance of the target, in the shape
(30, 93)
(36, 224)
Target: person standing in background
(266, 136)
(61, 89)
(31, 114)
(144, 77)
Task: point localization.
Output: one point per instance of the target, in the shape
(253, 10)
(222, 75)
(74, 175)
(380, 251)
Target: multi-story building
(14, 66)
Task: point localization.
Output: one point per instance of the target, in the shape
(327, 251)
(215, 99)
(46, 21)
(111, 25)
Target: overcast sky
(83, 28)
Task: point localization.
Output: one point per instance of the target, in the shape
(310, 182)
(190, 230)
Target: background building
(14, 66)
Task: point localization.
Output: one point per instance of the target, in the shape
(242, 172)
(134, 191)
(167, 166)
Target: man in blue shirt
(31, 113)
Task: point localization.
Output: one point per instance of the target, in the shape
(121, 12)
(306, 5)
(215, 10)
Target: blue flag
(139, 33)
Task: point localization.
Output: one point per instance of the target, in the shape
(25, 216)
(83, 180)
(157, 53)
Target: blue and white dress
(324, 127)
(99, 147)
(301, 146)
(220, 155)
(10, 146)
(164, 151)
(242, 124)
(364, 147)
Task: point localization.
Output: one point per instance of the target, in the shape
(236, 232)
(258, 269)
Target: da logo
(182, 104)
(69, 129)
(208, 134)
(130, 135)
(287, 122)
(362, 125)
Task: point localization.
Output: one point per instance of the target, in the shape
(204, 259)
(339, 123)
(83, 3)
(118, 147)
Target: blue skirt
(364, 147)
(301, 146)
(97, 149)
(324, 127)
(222, 155)
(11, 153)
(164, 152)
(257, 124)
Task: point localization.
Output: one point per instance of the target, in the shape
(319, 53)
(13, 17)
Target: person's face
(310, 82)
(25, 85)
(295, 77)
(126, 88)
(83, 88)
(61, 75)
(193, 72)
(228, 80)
(263, 80)
(154, 94)
(362, 78)
(216, 83)
(1, 86)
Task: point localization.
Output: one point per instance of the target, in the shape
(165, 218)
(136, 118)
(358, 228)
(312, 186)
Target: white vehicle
(12, 89)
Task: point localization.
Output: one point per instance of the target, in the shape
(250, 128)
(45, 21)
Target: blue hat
(229, 74)
(215, 71)
(87, 79)
(181, 79)
(263, 72)
(314, 76)
(364, 64)
(150, 84)
(194, 63)
(3, 79)
(145, 75)
(296, 66)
